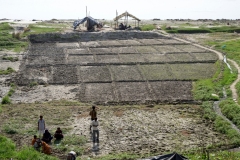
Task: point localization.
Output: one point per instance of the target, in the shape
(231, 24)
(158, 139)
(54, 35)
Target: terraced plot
(117, 67)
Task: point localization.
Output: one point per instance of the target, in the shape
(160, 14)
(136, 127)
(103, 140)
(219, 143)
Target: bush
(6, 100)
(32, 84)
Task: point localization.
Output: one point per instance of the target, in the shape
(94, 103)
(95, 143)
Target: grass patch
(44, 28)
(10, 41)
(9, 70)
(231, 110)
(72, 143)
(232, 51)
(6, 100)
(220, 124)
(204, 89)
(225, 127)
(208, 111)
(147, 27)
(8, 151)
(119, 156)
(228, 29)
(12, 59)
(221, 155)
(32, 84)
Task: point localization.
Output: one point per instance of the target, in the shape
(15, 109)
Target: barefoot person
(41, 126)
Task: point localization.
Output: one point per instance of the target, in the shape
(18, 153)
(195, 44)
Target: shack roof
(125, 14)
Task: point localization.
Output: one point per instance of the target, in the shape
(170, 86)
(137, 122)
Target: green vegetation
(220, 124)
(120, 156)
(8, 151)
(231, 110)
(12, 59)
(43, 28)
(9, 70)
(6, 100)
(228, 29)
(10, 41)
(221, 155)
(232, 51)
(13, 41)
(71, 143)
(32, 84)
(147, 27)
(204, 89)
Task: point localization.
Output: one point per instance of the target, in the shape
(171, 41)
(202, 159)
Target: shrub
(32, 84)
(6, 100)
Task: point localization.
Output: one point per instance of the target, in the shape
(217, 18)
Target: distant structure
(126, 15)
(91, 23)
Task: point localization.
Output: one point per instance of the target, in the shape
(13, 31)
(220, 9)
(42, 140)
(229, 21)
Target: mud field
(136, 129)
(113, 67)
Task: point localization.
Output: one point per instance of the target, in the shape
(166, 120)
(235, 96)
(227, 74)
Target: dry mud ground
(136, 129)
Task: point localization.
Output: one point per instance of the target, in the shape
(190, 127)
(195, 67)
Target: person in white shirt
(95, 133)
(41, 126)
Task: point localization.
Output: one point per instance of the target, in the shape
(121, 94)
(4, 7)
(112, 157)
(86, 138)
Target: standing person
(93, 114)
(95, 133)
(41, 126)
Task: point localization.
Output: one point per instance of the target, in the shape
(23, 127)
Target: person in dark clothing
(121, 26)
(93, 114)
(47, 137)
(58, 134)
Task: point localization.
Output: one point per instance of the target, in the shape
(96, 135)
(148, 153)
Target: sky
(106, 9)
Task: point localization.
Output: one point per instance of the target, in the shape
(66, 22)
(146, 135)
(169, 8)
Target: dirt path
(233, 85)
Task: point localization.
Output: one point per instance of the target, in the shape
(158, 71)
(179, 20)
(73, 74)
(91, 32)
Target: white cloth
(94, 125)
(41, 124)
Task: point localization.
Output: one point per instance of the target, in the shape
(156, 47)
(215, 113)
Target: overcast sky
(106, 9)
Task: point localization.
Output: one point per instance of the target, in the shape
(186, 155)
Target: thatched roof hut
(126, 15)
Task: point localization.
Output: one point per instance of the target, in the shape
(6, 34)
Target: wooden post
(116, 19)
(86, 11)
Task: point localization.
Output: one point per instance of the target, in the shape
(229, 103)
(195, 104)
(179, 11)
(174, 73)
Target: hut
(126, 15)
